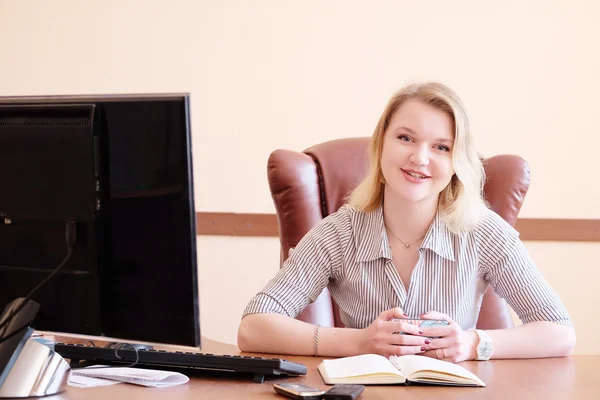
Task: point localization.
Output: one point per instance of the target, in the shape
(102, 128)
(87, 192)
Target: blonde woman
(415, 239)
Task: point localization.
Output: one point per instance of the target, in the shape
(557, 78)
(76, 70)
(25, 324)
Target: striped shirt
(348, 252)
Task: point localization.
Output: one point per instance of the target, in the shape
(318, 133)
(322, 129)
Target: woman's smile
(414, 176)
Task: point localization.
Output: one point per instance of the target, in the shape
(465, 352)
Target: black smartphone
(298, 391)
(343, 392)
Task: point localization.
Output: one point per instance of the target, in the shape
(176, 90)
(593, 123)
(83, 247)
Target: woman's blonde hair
(461, 201)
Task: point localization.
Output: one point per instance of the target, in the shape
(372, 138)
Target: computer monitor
(120, 168)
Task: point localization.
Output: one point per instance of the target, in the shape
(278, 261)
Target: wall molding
(559, 230)
(265, 225)
(235, 224)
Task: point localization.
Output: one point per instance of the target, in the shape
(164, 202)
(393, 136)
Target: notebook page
(411, 363)
(365, 364)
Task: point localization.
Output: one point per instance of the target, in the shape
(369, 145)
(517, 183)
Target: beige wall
(266, 74)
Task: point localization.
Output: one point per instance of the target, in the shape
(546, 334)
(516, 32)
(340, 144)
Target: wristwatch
(485, 347)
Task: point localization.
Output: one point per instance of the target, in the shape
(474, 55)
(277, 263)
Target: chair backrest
(309, 185)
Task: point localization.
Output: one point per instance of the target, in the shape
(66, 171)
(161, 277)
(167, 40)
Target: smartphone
(298, 391)
(343, 392)
(422, 323)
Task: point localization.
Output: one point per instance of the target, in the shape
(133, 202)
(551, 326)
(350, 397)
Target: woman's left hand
(453, 345)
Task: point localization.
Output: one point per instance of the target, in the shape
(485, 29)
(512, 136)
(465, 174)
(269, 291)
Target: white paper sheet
(137, 376)
(85, 382)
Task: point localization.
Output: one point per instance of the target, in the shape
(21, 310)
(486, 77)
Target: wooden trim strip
(559, 230)
(265, 225)
(234, 224)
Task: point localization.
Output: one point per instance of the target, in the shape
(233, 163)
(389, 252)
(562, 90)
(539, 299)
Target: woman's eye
(404, 138)
(443, 148)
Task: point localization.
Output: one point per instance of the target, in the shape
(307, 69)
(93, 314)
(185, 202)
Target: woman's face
(416, 160)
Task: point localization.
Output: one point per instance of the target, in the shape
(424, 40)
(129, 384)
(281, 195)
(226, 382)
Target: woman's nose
(420, 155)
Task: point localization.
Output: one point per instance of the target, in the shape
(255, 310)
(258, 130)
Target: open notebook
(373, 369)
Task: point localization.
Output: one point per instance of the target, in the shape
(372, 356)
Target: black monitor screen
(120, 168)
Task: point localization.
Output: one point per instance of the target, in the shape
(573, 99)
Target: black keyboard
(179, 361)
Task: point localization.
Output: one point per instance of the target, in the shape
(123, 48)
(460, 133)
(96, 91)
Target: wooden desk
(572, 378)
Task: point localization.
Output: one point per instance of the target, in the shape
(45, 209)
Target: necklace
(407, 245)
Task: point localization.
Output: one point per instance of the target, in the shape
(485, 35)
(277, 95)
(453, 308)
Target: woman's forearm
(280, 334)
(533, 340)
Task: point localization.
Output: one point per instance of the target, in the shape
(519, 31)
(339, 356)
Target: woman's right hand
(382, 336)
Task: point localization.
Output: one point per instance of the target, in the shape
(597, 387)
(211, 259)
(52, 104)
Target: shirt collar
(371, 238)
(439, 238)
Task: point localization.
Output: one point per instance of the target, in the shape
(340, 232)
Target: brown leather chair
(307, 186)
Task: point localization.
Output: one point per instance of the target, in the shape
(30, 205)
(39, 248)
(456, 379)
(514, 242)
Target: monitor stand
(23, 361)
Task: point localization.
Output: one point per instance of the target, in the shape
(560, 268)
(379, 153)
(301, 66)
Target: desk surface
(575, 377)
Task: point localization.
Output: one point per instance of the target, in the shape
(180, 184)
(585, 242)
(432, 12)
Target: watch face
(484, 350)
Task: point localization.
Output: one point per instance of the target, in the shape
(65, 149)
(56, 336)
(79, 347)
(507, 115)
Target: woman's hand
(382, 336)
(454, 344)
